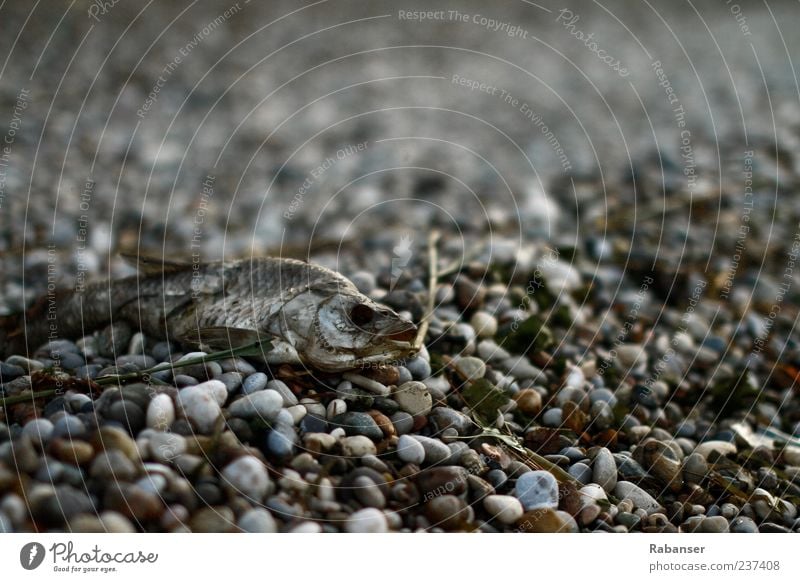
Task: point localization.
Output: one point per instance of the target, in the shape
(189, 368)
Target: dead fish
(311, 315)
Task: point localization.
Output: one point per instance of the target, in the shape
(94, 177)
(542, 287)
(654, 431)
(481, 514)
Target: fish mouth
(401, 332)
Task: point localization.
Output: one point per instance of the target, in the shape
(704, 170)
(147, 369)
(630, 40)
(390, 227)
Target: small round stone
(255, 382)
(536, 490)
(435, 450)
(743, 524)
(529, 401)
(200, 408)
(39, 430)
(358, 446)
(264, 404)
(166, 446)
(248, 476)
(470, 368)
(403, 422)
(484, 324)
(160, 412)
(640, 498)
(581, 472)
(504, 508)
(257, 520)
(414, 398)
(368, 520)
(410, 450)
(604, 470)
(420, 368)
(289, 399)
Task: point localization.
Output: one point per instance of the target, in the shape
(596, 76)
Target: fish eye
(361, 314)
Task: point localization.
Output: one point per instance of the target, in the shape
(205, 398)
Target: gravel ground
(612, 346)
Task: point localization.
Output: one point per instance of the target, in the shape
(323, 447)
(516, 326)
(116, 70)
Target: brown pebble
(447, 512)
(386, 375)
(383, 423)
(544, 521)
(213, 520)
(111, 438)
(442, 480)
(132, 501)
(529, 401)
(70, 451)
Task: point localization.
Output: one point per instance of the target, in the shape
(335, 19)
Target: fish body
(311, 315)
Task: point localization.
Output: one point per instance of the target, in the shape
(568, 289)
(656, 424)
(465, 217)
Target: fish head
(350, 330)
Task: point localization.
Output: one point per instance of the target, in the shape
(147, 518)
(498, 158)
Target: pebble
(281, 440)
(264, 404)
(200, 408)
(248, 476)
(160, 412)
(368, 520)
(484, 324)
(410, 450)
(546, 520)
(717, 524)
(403, 422)
(640, 498)
(112, 466)
(39, 430)
(536, 490)
(529, 401)
(414, 398)
(358, 423)
(289, 399)
(419, 367)
(435, 450)
(358, 446)
(164, 447)
(743, 524)
(257, 520)
(504, 508)
(470, 368)
(695, 468)
(367, 384)
(581, 472)
(723, 448)
(255, 382)
(447, 511)
(604, 470)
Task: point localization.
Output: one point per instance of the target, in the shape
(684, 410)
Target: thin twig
(433, 259)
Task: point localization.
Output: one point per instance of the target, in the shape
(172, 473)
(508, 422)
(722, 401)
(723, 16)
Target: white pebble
(369, 520)
(410, 450)
(264, 404)
(248, 475)
(358, 446)
(160, 412)
(504, 508)
(200, 408)
(414, 398)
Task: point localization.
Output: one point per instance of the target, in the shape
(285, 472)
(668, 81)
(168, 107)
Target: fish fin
(223, 338)
(153, 265)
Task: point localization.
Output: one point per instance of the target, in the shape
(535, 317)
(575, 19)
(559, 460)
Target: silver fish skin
(312, 315)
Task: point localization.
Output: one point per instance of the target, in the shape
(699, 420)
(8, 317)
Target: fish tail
(64, 314)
